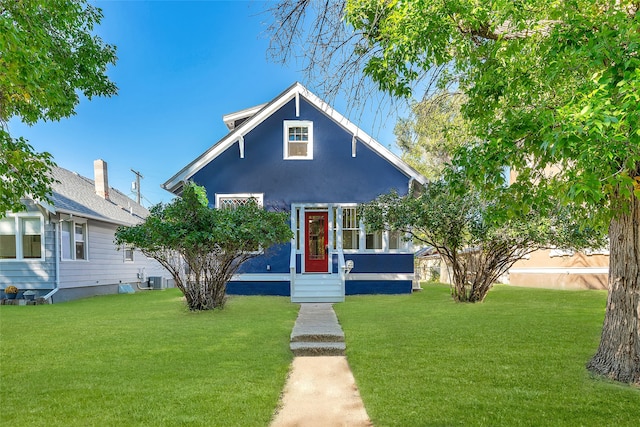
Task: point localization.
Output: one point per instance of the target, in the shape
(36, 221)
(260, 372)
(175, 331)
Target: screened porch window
(350, 229)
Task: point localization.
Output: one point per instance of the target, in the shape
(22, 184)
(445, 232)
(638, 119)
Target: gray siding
(105, 264)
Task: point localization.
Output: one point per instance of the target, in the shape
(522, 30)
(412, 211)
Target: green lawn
(516, 359)
(144, 360)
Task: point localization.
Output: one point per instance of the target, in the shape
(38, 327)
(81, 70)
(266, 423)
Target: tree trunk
(618, 356)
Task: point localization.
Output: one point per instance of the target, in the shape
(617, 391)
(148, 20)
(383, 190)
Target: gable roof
(75, 194)
(256, 115)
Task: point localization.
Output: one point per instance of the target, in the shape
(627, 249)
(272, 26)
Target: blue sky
(181, 66)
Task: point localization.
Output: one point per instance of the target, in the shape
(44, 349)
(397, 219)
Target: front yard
(517, 359)
(143, 359)
(421, 359)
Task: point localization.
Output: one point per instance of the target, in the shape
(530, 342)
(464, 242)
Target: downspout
(56, 281)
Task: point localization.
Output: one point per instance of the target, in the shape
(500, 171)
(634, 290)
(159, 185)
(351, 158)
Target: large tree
(49, 56)
(202, 247)
(553, 90)
(433, 131)
(475, 236)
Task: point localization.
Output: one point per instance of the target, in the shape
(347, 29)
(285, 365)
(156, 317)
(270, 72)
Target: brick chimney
(101, 178)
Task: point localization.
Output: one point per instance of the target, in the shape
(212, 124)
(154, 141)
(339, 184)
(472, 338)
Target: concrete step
(318, 348)
(316, 298)
(309, 336)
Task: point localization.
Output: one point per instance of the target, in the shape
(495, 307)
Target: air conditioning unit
(156, 282)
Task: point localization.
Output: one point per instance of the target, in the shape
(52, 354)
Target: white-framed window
(298, 140)
(396, 240)
(232, 201)
(350, 229)
(374, 240)
(21, 237)
(73, 240)
(356, 238)
(127, 252)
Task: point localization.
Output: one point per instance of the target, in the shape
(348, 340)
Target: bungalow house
(297, 154)
(66, 250)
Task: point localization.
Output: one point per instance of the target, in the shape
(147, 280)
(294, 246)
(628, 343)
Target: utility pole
(137, 189)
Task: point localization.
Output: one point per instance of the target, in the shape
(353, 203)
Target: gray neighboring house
(66, 250)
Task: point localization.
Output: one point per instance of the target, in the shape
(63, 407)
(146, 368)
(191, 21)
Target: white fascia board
(267, 110)
(97, 218)
(362, 136)
(218, 148)
(228, 119)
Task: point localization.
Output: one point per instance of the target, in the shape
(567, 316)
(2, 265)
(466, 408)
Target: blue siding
(332, 176)
(259, 288)
(275, 257)
(378, 263)
(356, 287)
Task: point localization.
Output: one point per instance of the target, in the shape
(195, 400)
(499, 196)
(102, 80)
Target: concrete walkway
(320, 390)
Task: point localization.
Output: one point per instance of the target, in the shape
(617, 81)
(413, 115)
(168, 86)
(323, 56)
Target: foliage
(430, 135)
(50, 56)
(202, 247)
(23, 172)
(11, 290)
(516, 360)
(553, 90)
(144, 360)
(472, 233)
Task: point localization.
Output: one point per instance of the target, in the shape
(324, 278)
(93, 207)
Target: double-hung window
(73, 240)
(21, 237)
(350, 229)
(298, 140)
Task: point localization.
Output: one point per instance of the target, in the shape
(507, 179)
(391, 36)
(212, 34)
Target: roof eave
(176, 182)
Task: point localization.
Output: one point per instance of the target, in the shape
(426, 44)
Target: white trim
(85, 225)
(561, 270)
(354, 143)
(174, 184)
(297, 104)
(19, 233)
(241, 146)
(78, 216)
(380, 276)
(230, 118)
(286, 124)
(258, 277)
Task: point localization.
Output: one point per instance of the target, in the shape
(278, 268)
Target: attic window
(298, 140)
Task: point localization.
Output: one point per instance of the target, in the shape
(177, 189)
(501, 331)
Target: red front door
(316, 254)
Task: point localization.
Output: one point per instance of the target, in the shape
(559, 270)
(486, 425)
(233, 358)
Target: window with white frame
(395, 240)
(128, 253)
(21, 237)
(374, 240)
(73, 240)
(298, 140)
(356, 238)
(232, 201)
(350, 229)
